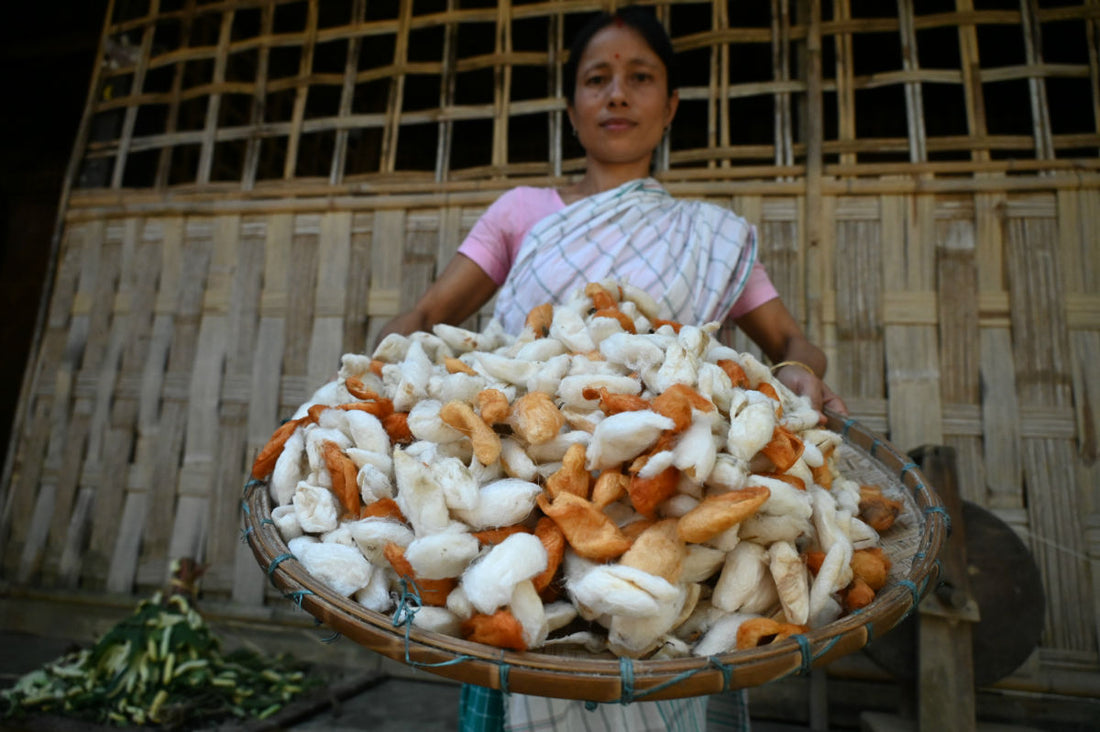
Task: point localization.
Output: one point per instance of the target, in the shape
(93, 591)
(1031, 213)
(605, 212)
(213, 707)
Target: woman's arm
(456, 294)
(772, 327)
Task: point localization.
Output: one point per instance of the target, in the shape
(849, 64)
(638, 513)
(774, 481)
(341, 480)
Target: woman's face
(621, 105)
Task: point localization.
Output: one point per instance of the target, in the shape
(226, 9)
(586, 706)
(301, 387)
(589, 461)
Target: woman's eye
(594, 80)
(642, 76)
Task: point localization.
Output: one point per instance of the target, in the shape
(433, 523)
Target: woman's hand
(802, 382)
(772, 327)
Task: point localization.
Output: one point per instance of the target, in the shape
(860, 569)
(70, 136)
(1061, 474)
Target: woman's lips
(616, 124)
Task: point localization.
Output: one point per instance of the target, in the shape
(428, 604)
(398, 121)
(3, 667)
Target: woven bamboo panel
(225, 239)
(175, 344)
(264, 95)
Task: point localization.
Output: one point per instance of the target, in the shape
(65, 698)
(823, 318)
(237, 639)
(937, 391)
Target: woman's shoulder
(534, 195)
(522, 206)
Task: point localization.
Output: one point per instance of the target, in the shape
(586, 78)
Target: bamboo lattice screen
(253, 96)
(258, 185)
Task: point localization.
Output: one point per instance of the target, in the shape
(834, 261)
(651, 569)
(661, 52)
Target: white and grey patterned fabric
(692, 257)
(534, 713)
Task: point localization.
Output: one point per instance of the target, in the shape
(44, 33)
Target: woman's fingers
(804, 383)
(831, 401)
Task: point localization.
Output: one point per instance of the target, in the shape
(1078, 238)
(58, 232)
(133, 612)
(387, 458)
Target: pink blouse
(496, 237)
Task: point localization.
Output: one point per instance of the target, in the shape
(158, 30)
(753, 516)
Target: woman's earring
(574, 132)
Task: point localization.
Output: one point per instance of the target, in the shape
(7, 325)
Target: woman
(620, 87)
(696, 259)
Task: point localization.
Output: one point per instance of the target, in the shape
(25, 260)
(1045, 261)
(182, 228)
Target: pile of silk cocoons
(605, 480)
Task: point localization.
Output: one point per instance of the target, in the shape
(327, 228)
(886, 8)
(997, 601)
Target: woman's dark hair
(641, 20)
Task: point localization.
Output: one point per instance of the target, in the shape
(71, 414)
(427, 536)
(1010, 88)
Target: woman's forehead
(618, 43)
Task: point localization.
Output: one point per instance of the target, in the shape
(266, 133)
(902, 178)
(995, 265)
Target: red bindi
(619, 23)
(616, 55)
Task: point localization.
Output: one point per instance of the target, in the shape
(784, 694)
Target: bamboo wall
(212, 265)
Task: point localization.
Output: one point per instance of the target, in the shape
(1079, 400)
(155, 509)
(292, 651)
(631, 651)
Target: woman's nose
(617, 91)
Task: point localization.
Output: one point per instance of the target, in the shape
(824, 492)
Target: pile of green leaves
(160, 666)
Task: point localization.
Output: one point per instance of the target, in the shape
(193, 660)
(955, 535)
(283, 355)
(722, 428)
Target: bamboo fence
(258, 185)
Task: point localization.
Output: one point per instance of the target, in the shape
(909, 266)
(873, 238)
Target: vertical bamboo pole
(502, 85)
(213, 104)
(972, 81)
(130, 119)
(164, 162)
(914, 106)
(1092, 34)
(718, 116)
(347, 94)
(812, 287)
(845, 82)
(268, 348)
(397, 88)
(446, 98)
(724, 82)
(1040, 112)
(259, 100)
(662, 162)
(555, 41)
(781, 72)
(305, 67)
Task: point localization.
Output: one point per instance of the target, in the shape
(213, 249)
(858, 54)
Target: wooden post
(945, 680)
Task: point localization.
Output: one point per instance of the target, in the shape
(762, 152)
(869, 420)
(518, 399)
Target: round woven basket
(912, 545)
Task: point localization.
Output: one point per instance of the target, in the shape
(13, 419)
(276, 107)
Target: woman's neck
(599, 178)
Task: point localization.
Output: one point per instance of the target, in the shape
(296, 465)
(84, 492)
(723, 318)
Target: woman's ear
(572, 119)
(673, 105)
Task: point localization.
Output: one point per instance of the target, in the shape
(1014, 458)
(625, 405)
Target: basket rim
(532, 671)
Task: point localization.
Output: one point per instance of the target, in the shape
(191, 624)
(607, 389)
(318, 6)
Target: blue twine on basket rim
(928, 578)
(682, 676)
(246, 531)
(246, 510)
(806, 652)
(275, 563)
(914, 592)
(827, 647)
(906, 468)
(727, 671)
(920, 488)
(250, 485)
(404, 614)
(942, 511)
(405, 611)
(296, 596)
(630, 693)
(875, 445)
(626, 674)
(327, 640)
(870, 628)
